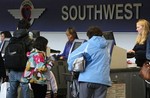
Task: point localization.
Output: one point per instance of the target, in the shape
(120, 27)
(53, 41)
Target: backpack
(15, 55)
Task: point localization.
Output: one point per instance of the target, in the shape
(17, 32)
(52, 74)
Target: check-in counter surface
(128, 69)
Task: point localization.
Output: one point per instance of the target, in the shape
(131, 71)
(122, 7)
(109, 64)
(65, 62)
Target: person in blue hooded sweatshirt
(95, 79)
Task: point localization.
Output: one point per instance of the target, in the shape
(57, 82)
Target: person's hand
(61, 58)
(131, 51)
(52, 63)
(130, 54)
(129, 62)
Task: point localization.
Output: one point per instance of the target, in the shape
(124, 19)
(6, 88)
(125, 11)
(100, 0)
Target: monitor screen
(110, 46)
(76, 44)
(109, 36)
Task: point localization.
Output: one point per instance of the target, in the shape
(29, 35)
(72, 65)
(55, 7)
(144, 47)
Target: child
(38, 68)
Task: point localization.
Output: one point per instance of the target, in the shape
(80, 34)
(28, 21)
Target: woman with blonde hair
(143, 28)
(141, 49)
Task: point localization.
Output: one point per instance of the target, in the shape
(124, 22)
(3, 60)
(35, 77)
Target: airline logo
(27, 11)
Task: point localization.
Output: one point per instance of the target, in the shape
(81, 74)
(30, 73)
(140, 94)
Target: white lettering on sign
(98, 12)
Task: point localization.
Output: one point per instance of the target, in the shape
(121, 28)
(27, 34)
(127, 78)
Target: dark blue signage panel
(52, 15)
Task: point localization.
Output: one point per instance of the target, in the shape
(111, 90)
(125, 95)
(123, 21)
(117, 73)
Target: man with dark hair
(20, 34)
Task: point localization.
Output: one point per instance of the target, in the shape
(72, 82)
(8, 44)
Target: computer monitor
(110, 46)
(76, 43)
(109, 36)
(4, 45)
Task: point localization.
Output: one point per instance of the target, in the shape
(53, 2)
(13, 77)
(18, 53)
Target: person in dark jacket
(15, 76)
(4, 34)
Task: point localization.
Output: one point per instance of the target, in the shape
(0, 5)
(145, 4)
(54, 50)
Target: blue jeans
(14, 79)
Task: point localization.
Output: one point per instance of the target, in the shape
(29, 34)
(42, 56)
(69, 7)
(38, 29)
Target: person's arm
(131, 53)
(132, 50)
(63, 53)
(66, 50)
